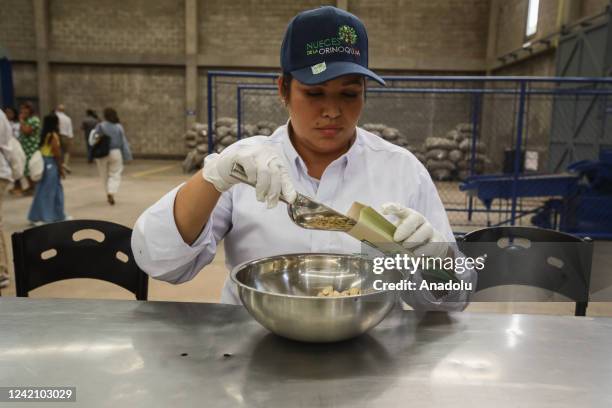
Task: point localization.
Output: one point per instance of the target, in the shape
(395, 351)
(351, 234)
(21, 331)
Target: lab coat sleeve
(428, 203)
(159, 249)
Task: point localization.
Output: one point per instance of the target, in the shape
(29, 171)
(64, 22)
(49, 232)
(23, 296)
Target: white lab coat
(373, 172)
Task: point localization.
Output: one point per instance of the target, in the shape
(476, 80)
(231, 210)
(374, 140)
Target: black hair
(15, 113)
(286, 79)
(110, 115)
(92, 113)
(29, 105)
(50, 125)
(285, 90)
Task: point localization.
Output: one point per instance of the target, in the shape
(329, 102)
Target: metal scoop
(304, 211)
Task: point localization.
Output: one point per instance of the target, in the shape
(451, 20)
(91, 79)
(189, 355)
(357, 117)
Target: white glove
(263, 166)
(414, 232)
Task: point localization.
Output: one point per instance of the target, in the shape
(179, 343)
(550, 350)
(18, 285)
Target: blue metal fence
(511, 111)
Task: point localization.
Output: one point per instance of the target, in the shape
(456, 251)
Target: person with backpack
(48, 203)
(110, 148)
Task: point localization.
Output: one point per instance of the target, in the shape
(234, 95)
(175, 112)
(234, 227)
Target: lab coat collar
(348, 159)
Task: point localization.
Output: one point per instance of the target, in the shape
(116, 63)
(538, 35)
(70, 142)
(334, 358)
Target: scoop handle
(238, 173)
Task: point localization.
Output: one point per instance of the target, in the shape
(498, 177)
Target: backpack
(101, 145)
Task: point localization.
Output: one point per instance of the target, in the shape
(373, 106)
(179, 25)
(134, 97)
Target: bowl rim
(238, 267)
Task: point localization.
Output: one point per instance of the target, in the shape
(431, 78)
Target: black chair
(76, 249)
(532, 256)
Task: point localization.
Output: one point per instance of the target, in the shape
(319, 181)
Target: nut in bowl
(285, 294)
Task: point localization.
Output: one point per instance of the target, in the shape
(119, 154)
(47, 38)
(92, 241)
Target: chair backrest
(532, 256)
(76, 249)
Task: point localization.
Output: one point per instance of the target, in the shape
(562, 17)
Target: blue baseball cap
(323, 44)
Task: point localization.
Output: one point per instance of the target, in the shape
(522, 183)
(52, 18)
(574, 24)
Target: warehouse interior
(157, 61)
(309, 203)
(155, 55)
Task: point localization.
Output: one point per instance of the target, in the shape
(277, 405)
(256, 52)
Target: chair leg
(581, 308)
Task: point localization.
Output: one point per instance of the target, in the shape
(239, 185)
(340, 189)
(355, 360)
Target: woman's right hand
(263, 166)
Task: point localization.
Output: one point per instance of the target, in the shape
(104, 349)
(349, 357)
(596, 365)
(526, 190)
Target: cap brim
(334, 70)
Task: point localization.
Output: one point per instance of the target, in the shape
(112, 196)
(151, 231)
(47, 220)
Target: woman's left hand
(415, 232)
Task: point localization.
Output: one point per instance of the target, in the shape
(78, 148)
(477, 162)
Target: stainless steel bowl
(280, 292)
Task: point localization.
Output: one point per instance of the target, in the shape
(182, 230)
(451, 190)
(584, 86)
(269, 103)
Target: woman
(29, 138)
(111, 166)
(321, 152)
(13, 120)
(48, 203)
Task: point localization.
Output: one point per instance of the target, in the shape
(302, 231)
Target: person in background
(6, 173)
(111, 166)
(89, 123)
(29, 128)
(13, 118)
(48, 203)
(66, 134)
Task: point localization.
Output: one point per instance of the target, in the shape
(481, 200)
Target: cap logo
(342, 44)
(318, 68)
(347, 34)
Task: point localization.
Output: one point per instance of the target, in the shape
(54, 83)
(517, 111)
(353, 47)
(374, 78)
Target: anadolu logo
(342, 44)
(347, 34)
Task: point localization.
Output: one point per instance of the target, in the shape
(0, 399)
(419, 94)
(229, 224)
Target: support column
(567, 12)
(342, 4)
(41, 29)
(492, 35)
(191, 63)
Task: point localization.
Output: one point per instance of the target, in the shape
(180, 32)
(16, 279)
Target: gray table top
(166, 354)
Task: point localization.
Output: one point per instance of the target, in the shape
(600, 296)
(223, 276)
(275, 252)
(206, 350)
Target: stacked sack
(448, 158)
(225, 133)
(264, 128)
(441, 156)
(390, 134)
(196, 142)
(463, 135)
(393, 135)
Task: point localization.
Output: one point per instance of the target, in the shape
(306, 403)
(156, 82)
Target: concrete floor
(144, 182)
